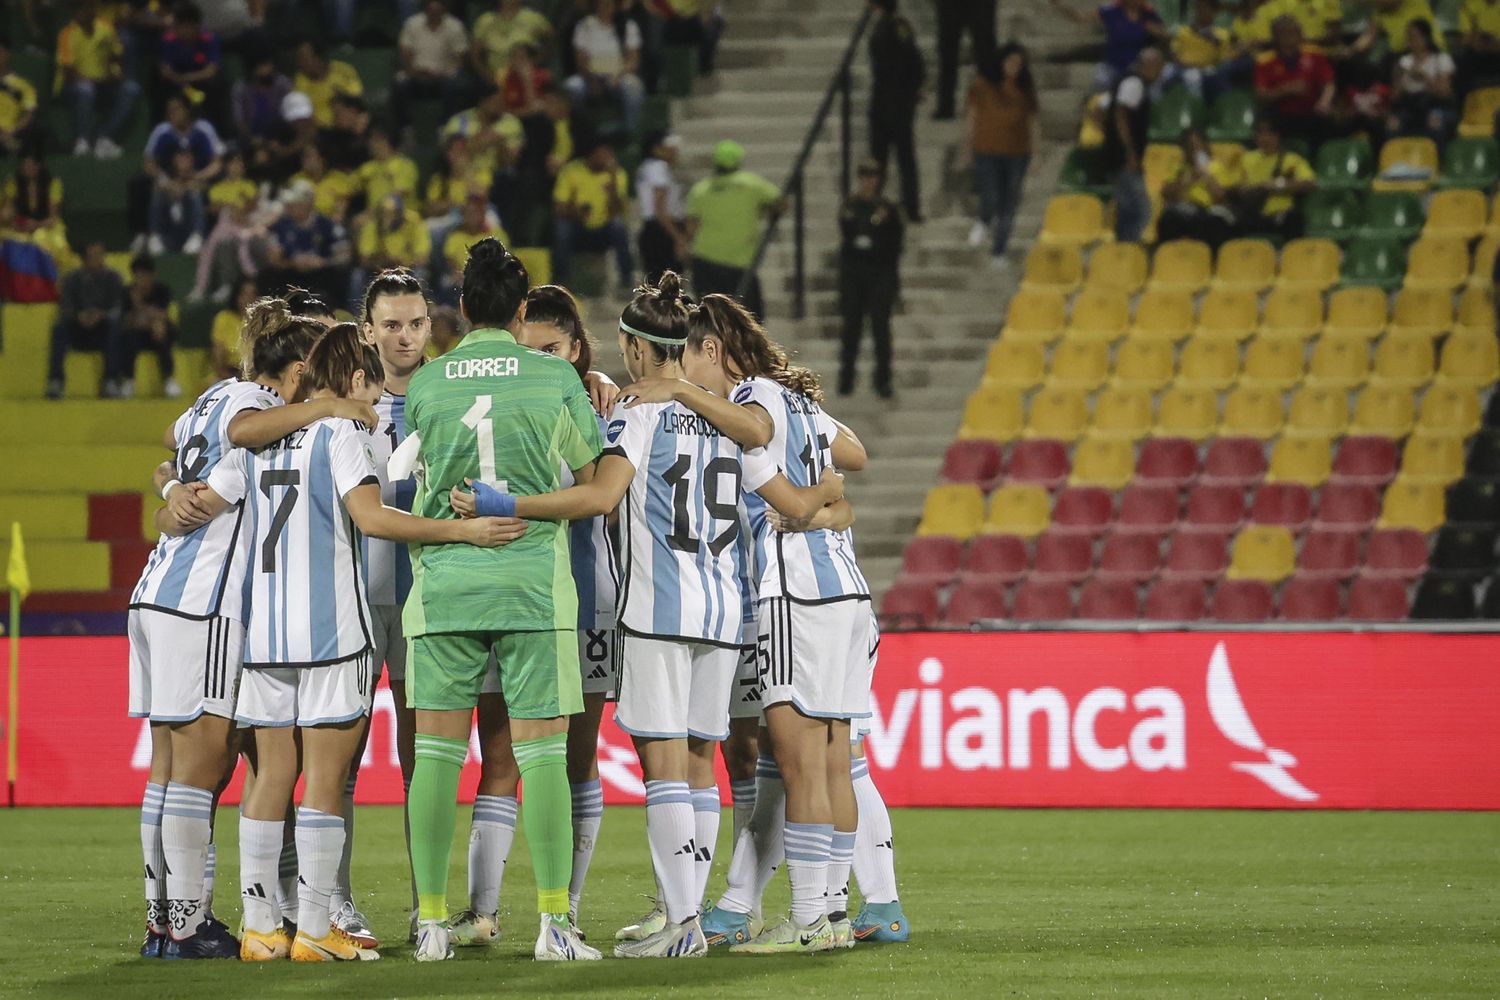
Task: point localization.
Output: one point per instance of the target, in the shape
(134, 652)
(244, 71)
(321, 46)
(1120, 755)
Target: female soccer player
(308, 661)
(185, 625)
(679, 618)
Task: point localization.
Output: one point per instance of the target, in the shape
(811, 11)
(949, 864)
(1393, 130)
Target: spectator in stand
(225, 256)
(1364, 103)
(321, 78)
(148, 323)
(1422, 101)
(1129, 27)
(1479, 54)
(1003, 115)
(499, 31)
(1384, 39)
(650, 25)
(476, 221)
(432, 47)
(1322, 21)
(88, 319)
(33, 194)
(140, 25)
(455, 178)
(176, 210)
(306, 248)
(977, 17)
(608, 60)
(1196, 199)
(88, 63)
(447, 330)
(897, 74)
(523, 82)
(255, 103)
(387, 172)
(181, 132)
(1201, 51)
(224, 335)
(392, 236)
(663, 240)
(693, 22)
(589, 212)
(298, 131)
(346, 142)
(869, 276)
(17, 105)
(1294, 83)
(1125, 139)
(334, 190)
(495, 136)
(548, 145)
(191, 60)
(1272, 181)
(725, 212)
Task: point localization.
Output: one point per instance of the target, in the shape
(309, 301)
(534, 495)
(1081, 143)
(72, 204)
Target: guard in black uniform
(897, 74)
(955, 17)
(869, 275)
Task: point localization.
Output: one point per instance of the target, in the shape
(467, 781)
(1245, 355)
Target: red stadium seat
(1216, 509)
(1242, 601)
(909, 605)
(1148, 508)
(1040, 461)
(1368, 460)
(1373, 599)
(973, 602)
(1286, 504)
(1347, 506)
(1037, 601)
(933, 560)
(974, 461)
(1109, 600)
(1398, 553)
(1083, 510)
(1233, 461)
(1176, 601)
(1310, 599)
(1167, 461)
(1132, 558)
(1197, 556)
(996, 559)
(1332, 555)
(1061, 557)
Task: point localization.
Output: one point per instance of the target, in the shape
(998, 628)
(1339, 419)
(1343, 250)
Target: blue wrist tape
(490, 502)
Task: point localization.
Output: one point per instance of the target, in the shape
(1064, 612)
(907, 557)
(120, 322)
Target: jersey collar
(487, 334)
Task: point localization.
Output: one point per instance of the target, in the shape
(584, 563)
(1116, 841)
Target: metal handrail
(794, 188)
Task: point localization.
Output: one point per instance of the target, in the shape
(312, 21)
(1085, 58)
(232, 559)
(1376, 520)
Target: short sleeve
(762, 392)
(230, 478)
(827, 427)
(629, 432)
(1301, 170)
(632, 35)
(578, 439)
(695, 201)
(352, 459)
(768, 192)
(1132, 91)
(1445, 63)
(758, 469)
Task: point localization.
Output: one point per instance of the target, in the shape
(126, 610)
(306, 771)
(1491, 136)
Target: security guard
(897, 72)
(869, 275)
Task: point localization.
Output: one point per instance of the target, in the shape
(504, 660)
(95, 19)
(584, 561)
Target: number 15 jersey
(680, 521)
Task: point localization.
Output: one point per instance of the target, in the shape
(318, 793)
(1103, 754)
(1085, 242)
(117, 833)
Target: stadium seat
(1120, 267)
(1286, 504)
(1108, 600)
(1471, 163)
(1161, 162)
(1416, 159)
(1450, 410)
(973, 602)
(1476, 310)
(1309, 599)
(1181, 265)
(1273, 363)
(1490, 606)
(1232, 117)
(1167, 461)
(1332, 214)
(1245, 266)
(908, 605)
(1396, 554)
(1082, 510)
(1208, 363)
(993, 413)
(1480, 108)
(1228, 314)
(1039, 461)
(1106, 462)
(1376, 600)
(1439, 599)
(1403, 362)
(1242, 602)
(1308, 264)
(1020, 509)
(1175, 112)
(1143, 364)
(1482, 274)
(1100, 314)
(1318, 412)
(1344, 163)
(1410, 504)
(1263, 552)
(1299, 459)
(1471, 359)
(1163, 314)
(1056, 413)
(1054, 267)
(1392, 215)
(1122, 413)
(1432, 458)
(1339, 362)
(1356, 312)
(1083, 172)
(1234, 461)
(1441, 264)
(1383, 411)
(996, 559)
(1074, 220)
(1374, 263)
(1035, 315)
(1148, 509)
(1016, 365)
(1457, 214)
(1252, 412)
(1176, 600)
(1129, 558)
(1079, 364)
(931, 561)
(1332, 555)
(977, 462)
(1421, 312)
(1213, 509)
(1348, 507)
(1474, 503)
(1062, 558)
(1187, 413)
(1039, 601)
(953, 510)
(1196, 555)
(1463, 552)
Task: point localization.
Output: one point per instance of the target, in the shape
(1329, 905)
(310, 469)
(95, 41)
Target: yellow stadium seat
(1122, 413)
(1305, 460)
(1103, 461)
(1245, 265)
(954, 509)
(1311, 264)
(1482, 275)
(1273, 363)
(1476, 310)
(1012, 364)
(994, 413)
(1231, 314)
(1159, 164)
(1079, 364)
(1074, 220)
(89, 468)
(1187, 413)
(1356, 311)
(1035, 315)
(1411, 152)
(1480, 108)
(1185, 265)
(1100, 314)
(1456, 214)
(1470, 358)
(1055, 267)
(1403, 362)
(83, 373)
(1339, 362)
(1120, 266)
(1449, 410)
(64, 565)
(1432, 458)
(1383, 411)
(1412, 504)
(1263, 552)
(1017, 509)
(1208, 363)
(1251, 411)
(1143, 364)
(1442, 264)
(1292, 312)
(1163, 314)
(46, 516)
(1494, 226)
(1318, 412)
(1425, 312)
(1058, 413)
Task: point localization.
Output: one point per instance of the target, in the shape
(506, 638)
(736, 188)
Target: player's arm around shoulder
(799, 503)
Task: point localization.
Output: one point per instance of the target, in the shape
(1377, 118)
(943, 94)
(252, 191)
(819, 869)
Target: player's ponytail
(658, 314)
(334, 360)
(555, 306)
(747, 347)
(263, 317)
(280, 348)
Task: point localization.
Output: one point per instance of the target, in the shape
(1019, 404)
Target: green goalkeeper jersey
(494, 411)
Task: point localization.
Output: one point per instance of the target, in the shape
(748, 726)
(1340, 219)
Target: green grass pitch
(1004, 904)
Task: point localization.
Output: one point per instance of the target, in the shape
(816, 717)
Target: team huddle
(499, 530)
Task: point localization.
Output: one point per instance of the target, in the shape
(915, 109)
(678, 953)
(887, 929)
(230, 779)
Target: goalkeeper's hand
(483, 501)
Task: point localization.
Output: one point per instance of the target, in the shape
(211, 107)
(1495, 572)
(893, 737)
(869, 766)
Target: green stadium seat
(377, 70)
(1345, 164)
(1233, 117)
(1377, 263)
(1082, 173)
(679, 68)
(1333, 215)
(1395, 215)
(1175, 112)
(1471, 163)
(177, 271)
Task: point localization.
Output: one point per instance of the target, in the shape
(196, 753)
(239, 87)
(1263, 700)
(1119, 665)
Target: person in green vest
(725, 212)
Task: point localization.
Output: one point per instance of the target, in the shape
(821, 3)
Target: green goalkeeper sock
(547, 814)
(432, 806)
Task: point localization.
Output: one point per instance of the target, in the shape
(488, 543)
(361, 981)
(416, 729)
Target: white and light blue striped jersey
(306, 597)
(387, 564)
(596, 571)
(679, 523)
(749, 573)
(811, 567)
(198, 575)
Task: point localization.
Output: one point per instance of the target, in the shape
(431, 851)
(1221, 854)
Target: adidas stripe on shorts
(181, 668)
(816, 656)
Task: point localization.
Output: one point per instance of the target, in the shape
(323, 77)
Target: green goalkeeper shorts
(539, 673)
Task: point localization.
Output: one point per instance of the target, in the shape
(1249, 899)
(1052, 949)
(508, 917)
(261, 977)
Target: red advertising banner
(1254, 720)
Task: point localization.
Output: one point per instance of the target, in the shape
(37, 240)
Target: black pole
(799, 277)
(846, 142)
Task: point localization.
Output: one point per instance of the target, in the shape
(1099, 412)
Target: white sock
(185, 816)
(490, 837)
(669, 829)
(874, 855)
(286, 877)
(588, 813)
(320, 842)
(705, 836)
(343, 887)
(260, 851)
(759, 850)
(840, 857)
(742, 793)
(210, 872)
(154, 863)
(807, 848)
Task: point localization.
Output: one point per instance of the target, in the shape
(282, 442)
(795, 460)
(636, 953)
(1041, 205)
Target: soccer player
(185, 627)
(881, 917)
(680, 607)
(492, 410)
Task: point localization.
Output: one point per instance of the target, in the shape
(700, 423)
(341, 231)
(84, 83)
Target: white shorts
(307, 696)
(388, 642)
(181, 668)
(860, 728)
(673, 690)
(598, 661)
(816, 656)
(745, 701)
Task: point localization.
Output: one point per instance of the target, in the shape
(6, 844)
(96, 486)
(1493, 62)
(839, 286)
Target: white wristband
(168, 487)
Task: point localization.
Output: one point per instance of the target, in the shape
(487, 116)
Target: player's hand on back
(188, 507)
(832, 484)
(462, 500)
(492, 532)
(602, 392)
(353, 409)
(652, 390)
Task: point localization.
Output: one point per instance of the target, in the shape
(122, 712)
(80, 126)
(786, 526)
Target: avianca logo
(1228, 711)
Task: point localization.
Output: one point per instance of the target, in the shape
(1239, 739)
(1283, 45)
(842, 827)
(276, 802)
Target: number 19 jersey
(680, 522)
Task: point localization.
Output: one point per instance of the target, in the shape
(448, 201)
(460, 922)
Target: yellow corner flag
(17, 577)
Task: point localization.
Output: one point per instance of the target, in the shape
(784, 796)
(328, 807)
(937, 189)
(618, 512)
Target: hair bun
(669, 285)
